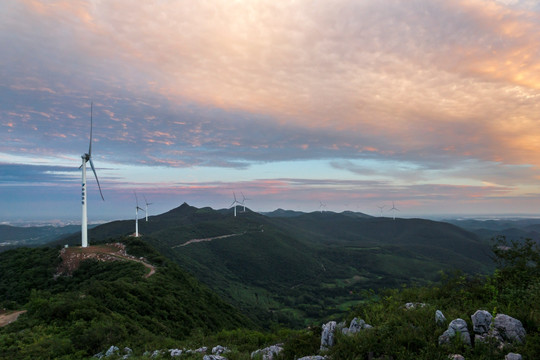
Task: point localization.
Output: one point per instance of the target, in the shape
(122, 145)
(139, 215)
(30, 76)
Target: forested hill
(308, 266)
(103, 303)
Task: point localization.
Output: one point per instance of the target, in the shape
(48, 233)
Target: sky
(431, 105)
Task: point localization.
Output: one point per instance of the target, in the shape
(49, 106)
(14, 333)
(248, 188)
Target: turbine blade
(94, 170)
(234, 202)
(91, 120)
(136, 199)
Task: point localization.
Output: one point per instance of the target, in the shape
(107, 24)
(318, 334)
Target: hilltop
(103, 301)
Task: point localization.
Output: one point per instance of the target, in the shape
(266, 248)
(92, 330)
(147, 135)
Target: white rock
(327, 336)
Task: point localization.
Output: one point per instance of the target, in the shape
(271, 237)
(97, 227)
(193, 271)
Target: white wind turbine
(381, 208)
(244, 201)
(322, 206)
(87, 158)
(146, 210)
(393, 210)
(234, 203)
(137, 208)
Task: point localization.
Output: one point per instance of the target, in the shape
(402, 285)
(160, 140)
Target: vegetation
(102, 304)
(300, 269)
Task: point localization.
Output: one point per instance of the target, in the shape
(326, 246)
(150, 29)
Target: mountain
(308, 266)
(518, 229)
(103, 303)
(13, 236)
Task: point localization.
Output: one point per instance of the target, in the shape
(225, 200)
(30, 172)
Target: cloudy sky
(431, 104)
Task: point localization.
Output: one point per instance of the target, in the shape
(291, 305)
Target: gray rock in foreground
(513, 356)
(356, 326)
(440, 319)
(481, 320)
(327, 336)
(268, 353)
(509, 329)
(456, 326)
(314, 357)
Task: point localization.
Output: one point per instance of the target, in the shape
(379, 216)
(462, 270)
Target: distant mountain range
(276, 264)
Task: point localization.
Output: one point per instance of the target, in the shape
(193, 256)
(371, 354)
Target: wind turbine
(322, 206)
(87, 157)
(234, 203)
(381, 208)
(146, 211)
(393, 210)
(244, 201)
(137, 208)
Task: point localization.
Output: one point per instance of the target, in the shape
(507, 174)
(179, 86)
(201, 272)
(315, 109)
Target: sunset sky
(432, 104)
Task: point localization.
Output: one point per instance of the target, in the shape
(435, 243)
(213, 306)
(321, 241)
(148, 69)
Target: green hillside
(296, 269)
(103, 304)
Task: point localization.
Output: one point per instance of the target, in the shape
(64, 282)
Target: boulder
(440, 319)
(509, 329)
(112, 351)
(175, 352)
(513, 356)
(218, 350)
(214, 357)
(314, 357)
(481, 320)
(456, 357)
(356, 326)
(327, 336)
(413, 305)
(268, 353)
(456, 326)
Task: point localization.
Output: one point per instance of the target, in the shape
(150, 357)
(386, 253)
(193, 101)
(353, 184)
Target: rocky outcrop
(456, 357)
(457, 326)
(513, 356)
(356, 325)
(214, 357)
(218, 350)
(327, 336)
(481, 320)
(509, 329)
(440, 319)
(314, 357)
(268, 353)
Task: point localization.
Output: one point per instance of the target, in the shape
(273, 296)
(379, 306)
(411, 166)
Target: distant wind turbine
(137, 208)
(393, 210)
(234, 203)
(87, 158)
(381, 208)
(146, 210)
(322, 206)
(244, 199)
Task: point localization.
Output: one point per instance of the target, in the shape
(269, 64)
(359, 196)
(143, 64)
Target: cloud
(35, 174)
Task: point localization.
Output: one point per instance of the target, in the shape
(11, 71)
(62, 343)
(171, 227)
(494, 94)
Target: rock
(481, 320)
(413, 305)
(355, 326)
(218, 350)
(112, 350)
(440, 319)
(175, 352)
(513, 356)
(156, 353)
(314, 357)
(510, 329)
(214, 357)
(268, 353)
(327, 336)
(456, 326)
(456, 357)
(201, 350)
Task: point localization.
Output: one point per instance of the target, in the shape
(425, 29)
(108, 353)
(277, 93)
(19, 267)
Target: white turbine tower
(244, 201)
(87, 158)
(393, 210)
(137, 208)
(234, 203)
(381, 208)
(146, 210)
